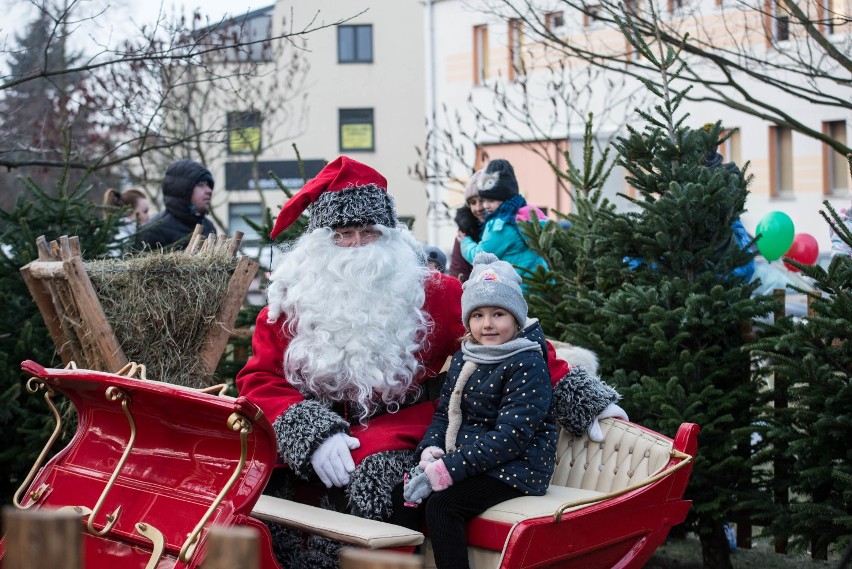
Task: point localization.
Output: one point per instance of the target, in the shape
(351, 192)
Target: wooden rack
(76, 321)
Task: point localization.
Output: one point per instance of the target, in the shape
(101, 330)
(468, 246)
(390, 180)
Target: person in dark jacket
(469, 219)
(187, 189)
(493, 436)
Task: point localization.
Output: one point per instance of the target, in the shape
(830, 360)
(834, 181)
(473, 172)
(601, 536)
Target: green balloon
(775, 234)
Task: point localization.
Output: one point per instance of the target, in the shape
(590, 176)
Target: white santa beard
(355, 318)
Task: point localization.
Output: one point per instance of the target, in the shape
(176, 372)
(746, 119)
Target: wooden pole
(355, 558)
(42, 539)
(236, 547)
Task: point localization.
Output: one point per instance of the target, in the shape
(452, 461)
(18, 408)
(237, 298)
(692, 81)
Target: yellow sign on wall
(244, 140)
(356, 137)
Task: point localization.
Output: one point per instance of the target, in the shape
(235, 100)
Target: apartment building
(362, 96)
(523, 102)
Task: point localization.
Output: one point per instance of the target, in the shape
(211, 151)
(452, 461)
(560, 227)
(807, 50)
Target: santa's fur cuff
(578, 398)
(372, 483)
(301, 429)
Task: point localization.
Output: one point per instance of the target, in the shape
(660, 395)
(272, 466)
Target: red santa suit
(261, 379)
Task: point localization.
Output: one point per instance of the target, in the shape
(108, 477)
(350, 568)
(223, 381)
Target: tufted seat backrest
(627, 455)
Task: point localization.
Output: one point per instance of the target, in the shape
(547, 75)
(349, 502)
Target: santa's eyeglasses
(355, 236)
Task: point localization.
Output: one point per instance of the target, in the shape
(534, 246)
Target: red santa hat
(344, 193)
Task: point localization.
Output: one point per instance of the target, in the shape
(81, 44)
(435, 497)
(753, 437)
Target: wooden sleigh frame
(64, 294)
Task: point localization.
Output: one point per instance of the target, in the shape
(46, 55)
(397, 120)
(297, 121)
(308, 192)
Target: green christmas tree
(812, 357)
(24, 418)
(563, 297)
(662, 293)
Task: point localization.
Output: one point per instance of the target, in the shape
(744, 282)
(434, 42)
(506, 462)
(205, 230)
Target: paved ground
(686, 554)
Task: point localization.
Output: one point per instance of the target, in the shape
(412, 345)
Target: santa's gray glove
(332, 461)
(611, 410)
(417, 486)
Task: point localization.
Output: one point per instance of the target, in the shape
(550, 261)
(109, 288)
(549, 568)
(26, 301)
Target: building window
(355, 44)
(252, 31)
(480, 54)
(730, 149)
(554, 20)
(835, 166)
(237, 215)
(591, 13)
(830, 15)
(780, 161)
(675, 5)
(777, 22)
(244, 132)
(516, 61)
(356, 130)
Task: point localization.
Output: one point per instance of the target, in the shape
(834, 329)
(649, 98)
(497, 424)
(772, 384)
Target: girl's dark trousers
(446, 513)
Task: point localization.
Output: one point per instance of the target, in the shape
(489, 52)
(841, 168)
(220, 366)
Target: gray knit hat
(493, 282)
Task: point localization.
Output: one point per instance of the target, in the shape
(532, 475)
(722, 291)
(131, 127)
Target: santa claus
(355, 327)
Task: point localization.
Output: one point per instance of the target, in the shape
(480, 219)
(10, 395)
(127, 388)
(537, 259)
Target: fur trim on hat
(372, 483)
(580, 397)
(362, 205)
(301, 429)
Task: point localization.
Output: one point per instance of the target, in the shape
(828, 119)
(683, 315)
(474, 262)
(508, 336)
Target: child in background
(501, 235)
(493, 437)
(136, 203)
(436, 259)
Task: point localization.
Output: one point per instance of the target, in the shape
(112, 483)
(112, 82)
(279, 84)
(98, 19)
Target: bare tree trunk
(715, 552)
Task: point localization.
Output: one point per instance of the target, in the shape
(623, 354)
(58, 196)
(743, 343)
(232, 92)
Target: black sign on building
(239, 175)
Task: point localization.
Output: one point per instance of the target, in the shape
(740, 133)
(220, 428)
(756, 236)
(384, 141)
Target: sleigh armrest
(335, 525)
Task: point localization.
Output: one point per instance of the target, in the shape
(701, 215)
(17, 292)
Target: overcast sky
(108, 21)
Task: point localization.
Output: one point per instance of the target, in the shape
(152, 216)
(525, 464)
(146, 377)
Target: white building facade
(487, 63)
(363, 96)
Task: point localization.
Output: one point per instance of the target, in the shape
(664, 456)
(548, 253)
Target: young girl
(137, 203)
(498, 189)
(493, 437)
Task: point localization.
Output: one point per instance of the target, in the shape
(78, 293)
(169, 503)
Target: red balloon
(804, 249)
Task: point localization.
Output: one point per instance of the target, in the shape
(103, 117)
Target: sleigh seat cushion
(490, 529)
(584, 470)
(349, 529)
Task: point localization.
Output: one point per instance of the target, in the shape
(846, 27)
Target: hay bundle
(161, 307)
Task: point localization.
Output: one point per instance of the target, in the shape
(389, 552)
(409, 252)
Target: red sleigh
(153, 466)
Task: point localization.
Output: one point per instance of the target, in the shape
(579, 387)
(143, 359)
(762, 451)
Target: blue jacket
(508, 426)
(504, 239)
